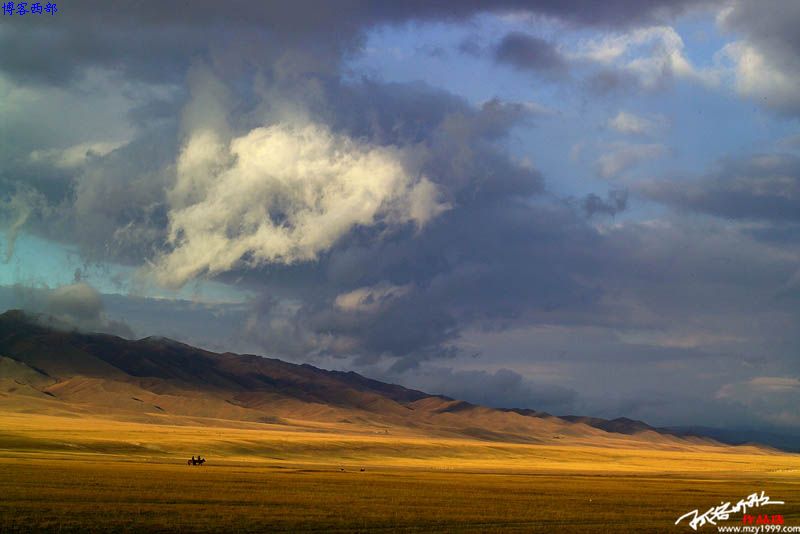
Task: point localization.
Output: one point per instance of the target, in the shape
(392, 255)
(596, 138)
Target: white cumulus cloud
(370, 299)
(75, 155)
(621, 157)
(653, 55)
(282, 194)
(757, 76)
(629, 123)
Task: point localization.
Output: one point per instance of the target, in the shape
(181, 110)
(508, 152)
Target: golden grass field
(76, 474)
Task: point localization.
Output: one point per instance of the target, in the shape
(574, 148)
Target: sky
(576, 207)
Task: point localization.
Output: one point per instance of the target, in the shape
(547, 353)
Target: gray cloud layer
(767, 59)
(763, 187)
(75, 306)
(527, 52)
(253, 169)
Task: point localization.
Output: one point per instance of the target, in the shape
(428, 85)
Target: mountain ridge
(58, 369)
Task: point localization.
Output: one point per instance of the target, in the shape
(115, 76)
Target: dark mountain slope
(97, 373)
(65, 354)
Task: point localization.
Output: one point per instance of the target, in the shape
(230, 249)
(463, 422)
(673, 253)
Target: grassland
(95, 432)
(77, 474)
(80, 494)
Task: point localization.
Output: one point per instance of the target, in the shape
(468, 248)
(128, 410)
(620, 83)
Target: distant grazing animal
(196, 461)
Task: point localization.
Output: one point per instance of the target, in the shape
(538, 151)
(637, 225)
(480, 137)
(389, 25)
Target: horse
(196, 461)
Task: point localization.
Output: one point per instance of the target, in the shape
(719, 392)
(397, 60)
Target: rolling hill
(47, 369)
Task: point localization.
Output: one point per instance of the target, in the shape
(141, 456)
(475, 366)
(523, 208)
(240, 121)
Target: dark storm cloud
(499, 262)
(118, 203)
(113, 207)
(412, 113)
(502, 254)
(152, 41)
(318, 16)
(471, 46)
(615, 202)
(526, 52)
(505, 253)
(769, 53)
(785, 233)
(503, 388)
(117, 209)
(458, 147)
(764, 187)
(79, 306)
(771, 22)
(55, 54)
(611, 81)
(299, 47)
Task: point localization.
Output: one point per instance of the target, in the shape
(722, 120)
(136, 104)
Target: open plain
(96, 431)
(82, 474)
